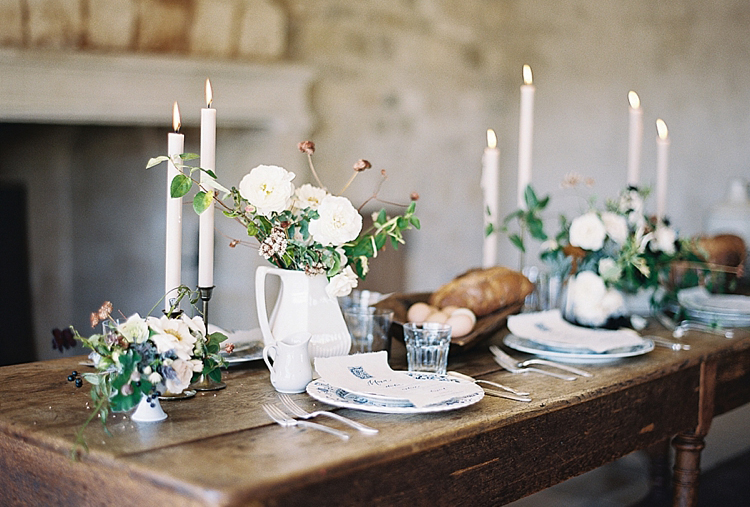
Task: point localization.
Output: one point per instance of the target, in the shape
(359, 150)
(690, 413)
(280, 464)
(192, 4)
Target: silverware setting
(514, 366)
(669, 344)
(511, 393)
(298, 411)
(279, 417)
(679, 330)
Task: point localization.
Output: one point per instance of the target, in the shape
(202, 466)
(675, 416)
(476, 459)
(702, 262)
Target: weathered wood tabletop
(219, 448)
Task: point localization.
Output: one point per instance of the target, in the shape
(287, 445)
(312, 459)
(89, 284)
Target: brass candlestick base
(205, 383)
(184, 395)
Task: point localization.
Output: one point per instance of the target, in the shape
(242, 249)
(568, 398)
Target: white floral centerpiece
(603, 252)
(146, 357)
(305, 228)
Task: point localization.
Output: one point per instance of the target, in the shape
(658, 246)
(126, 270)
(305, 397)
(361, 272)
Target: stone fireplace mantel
(263, 111)
(79, 88)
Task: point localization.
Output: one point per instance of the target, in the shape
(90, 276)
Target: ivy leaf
(489, 229)
(530, 197)
(536, 228)
(517, 241)
(152, 162)
(180, 185)
(189, 156)
(202, 201)
(415, 222)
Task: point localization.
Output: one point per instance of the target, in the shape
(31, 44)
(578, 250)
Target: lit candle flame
(634, 100)
(661, 129)
(176, 117)
(491, 139)
(209, 93)
(527, 78)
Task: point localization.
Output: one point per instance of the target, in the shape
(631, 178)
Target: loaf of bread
(483, 290)
(723, 249)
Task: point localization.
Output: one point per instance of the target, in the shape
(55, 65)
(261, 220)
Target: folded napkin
(370, 374)
(550, 329)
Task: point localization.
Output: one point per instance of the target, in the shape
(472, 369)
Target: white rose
(172, 334)
(342, 284)
(549, 246)
(588, 232)
(308, 196)
(179, 378)
(592, 303)
(134, 329)
(609, 270)
(338, 223)
(268, 188)
(665, 238)
(616, 226)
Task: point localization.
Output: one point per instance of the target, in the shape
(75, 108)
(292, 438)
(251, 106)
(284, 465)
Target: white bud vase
(148, 411)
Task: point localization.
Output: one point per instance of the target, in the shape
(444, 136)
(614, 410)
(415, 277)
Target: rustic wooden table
(219, 448)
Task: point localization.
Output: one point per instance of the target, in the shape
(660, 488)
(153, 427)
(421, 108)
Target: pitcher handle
(260, 303)
(266, 352)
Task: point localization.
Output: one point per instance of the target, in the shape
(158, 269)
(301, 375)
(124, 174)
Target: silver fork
(544, 362)
(480, 381)
(298, 411)
(279, 417)
(511, 365)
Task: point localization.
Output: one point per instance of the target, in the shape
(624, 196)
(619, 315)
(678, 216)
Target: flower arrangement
(145, 357)
(605, 251)
(305, 228)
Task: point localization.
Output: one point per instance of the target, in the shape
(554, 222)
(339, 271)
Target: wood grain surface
(219, 448)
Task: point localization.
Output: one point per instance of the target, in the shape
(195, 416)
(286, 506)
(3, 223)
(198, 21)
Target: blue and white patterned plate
(322, 391)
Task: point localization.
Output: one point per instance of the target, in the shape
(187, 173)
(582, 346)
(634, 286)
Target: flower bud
(307, 147)
(414, 196)
(362, 165)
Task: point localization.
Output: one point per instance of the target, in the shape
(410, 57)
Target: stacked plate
(339, 397)
(725, 310)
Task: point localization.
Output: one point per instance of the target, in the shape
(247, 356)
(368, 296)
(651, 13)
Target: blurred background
(86, 90)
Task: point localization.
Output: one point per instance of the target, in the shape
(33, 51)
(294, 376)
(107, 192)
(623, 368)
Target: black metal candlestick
(205, 383)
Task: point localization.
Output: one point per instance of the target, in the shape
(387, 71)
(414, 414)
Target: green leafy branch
(528, 219)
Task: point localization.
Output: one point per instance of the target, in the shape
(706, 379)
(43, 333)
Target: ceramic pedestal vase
(148, 410)
(302, 306)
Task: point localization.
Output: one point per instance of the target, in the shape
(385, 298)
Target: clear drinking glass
(427, 346)
(369, 328)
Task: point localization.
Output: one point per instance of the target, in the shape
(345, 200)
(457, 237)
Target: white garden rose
(342, 284)
(172, 334)
(616, 226)
(590, 300)
(664, 239)
(308, 196)
(338, 222)
(134, 329)
(179, 378)
(268, 188)
(588, 232)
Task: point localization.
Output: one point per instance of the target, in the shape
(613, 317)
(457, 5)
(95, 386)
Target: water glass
(360, 298)
(427, 346)
(369, 328)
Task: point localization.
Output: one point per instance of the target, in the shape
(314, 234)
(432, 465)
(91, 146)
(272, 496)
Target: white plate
(322, 391)
(248, 346)
(576, 356)
(698, 298)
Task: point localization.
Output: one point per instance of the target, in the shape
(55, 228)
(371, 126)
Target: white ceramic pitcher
(291, 370)
(302, 306)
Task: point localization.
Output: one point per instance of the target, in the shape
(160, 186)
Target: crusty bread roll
(722, 249)
(483, 290)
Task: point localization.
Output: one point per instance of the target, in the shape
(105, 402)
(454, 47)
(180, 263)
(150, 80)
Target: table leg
(686, 469)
